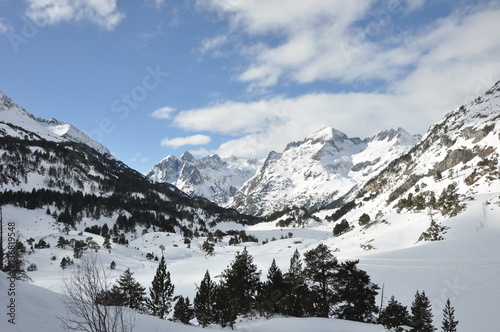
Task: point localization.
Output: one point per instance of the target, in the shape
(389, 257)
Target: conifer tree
(128, 292)
(320, 271)
(449, 322)
(394, 315)
(225, 309)
(182, 310)
(355, 294)
(242, 281)
(204, 301)
(273, 292)
(421, 314)
(15, 262)
(294, 303)
(161, 292)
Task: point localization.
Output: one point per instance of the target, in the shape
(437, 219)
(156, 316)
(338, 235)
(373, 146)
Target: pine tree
(320, 271)
(394, 315)
(225, 309)
(208, 247)
(112, 266)
(128, 292)
(182, 310)
(421, 314)
(61, 243)
(296, 298)
(449, 322)
(273, 292)
(161, 292)
(15, 262)
(204, 300)
(242, 281)
(356, 294)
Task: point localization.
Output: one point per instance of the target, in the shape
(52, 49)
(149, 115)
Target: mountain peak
(17, 122)
(188, 157)
(327, 134)
(401, 136)
(5, 102)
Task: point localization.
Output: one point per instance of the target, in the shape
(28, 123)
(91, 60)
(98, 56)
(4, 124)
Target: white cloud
(209, 44)
(425, 70)
(232, 118)
(190, 140)
(163, 113)
(104, 13)
(4, 27)
(345, 41)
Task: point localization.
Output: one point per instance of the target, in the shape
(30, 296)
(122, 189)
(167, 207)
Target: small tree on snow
(86, 309)
(421, 314)
(394, 315)
(160, 292)
(182, 310)
(128, 292)
(449, 322)
(204, 301)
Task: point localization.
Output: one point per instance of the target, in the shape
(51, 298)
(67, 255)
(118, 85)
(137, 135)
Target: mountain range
(308, 174)
(419, 213)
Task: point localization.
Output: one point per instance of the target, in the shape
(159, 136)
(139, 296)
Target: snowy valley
(418, 214)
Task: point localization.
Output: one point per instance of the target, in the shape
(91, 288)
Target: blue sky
(149, 78)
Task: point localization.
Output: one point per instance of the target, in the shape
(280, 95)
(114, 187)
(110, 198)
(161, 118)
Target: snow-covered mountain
(462, 149)
(432, 222)
(53, 164)
(321, 168)
(210, 177)
(16, 122)
(452, 171)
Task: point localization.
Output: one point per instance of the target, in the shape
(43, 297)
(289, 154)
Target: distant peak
(328, 133)
(187, 156)
(495, 88)
(5, 101)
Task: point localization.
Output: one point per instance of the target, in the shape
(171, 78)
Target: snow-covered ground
(465, 267)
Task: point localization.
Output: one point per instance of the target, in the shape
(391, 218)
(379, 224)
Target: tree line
(317, 285)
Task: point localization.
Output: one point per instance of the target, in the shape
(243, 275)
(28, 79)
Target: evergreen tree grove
(161, 292)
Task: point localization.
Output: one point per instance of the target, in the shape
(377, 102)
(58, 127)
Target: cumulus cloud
(423, 71)
(163, 113)
(104, 13)
(182, 141)
(346, 41)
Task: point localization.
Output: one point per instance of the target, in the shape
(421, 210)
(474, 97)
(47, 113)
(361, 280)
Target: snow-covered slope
(16, 122)
(210, 177)
(456, 162)
(37, 309)
(53, 164)
(317, 170)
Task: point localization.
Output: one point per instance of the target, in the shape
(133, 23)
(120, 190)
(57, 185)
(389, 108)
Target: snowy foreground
(465, 267)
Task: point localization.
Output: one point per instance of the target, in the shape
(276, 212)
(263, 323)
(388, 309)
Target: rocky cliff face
(211, 177)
